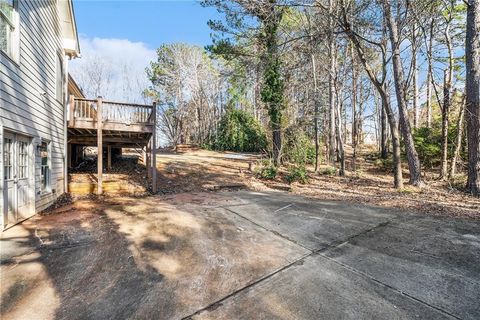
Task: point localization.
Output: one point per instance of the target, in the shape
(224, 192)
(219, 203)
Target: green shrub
(428, 145)
(207, 146)
(298, 147)
(329, 171)
(266, 170)
(239, 131)
(296, 173)
(384, 164)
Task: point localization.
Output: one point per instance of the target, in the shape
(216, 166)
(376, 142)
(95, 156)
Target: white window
(22, 159)
(9, 28)
(45, 166)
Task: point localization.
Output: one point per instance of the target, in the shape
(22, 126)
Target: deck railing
(84, 109)
(116, 112)
(126, 113)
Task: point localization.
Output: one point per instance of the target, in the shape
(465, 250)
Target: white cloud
(112, 68)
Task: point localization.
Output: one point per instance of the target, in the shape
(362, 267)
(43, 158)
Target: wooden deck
(123, 124)
(95, 122)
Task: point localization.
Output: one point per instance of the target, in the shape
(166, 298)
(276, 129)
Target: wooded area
(317, 77)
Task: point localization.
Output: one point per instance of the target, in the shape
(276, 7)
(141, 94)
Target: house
(37, 40)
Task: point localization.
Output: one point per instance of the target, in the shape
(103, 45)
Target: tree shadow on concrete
(90, 264)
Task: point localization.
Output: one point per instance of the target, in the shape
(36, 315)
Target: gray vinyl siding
(1, 177)
(23, 106)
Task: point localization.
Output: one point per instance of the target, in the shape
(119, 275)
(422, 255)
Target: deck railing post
(72, 111)
(154, 148)
(99, 147)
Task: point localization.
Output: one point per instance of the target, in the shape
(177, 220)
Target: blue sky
(150, 22)
(119, 39)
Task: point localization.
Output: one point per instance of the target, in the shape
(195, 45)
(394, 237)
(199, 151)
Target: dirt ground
(202, 170)
(126, 173)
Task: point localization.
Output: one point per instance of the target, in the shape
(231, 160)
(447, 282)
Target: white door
(17, 163)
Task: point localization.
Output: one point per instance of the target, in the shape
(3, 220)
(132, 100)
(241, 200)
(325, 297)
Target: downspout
(65, 119)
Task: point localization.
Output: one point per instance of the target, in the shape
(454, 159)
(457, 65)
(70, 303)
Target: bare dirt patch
(203, 170)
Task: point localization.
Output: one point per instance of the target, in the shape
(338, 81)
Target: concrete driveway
(239, 255)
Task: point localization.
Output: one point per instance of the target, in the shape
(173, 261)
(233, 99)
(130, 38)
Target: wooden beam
(154, 148)
(107, 140)
(99, 146)
(114, 126)
(109, 157)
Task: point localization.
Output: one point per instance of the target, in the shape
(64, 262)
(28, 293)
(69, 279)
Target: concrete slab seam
(365, 275)
(271, 231)
(334, 245)
(213, 305)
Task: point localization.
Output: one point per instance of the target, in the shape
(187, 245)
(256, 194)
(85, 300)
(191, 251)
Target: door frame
(5, 223)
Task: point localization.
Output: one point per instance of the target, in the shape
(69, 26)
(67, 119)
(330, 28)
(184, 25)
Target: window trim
(8, 19)
(14, 22)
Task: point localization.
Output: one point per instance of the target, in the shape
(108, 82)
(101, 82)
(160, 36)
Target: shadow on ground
(133, 258)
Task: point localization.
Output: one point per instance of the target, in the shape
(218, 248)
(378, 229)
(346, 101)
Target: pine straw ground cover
(193, 171)
(370, 184)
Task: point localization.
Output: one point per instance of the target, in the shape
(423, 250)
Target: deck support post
(148, 159)
(69, 156)
(154, 148)
(109, 157)
(99, 147)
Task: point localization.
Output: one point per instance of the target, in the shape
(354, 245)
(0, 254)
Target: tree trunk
(384, 133)
(354, 112)
(445, 114)
(277, 144)
(458, 141)
(397, 162)
(412, 156)
(430, 75)
(316, 109)
(472, 86)
(273, 89)
(447, 84)
(415, 77)
(341, 151)
(359, 127)
(331, 87)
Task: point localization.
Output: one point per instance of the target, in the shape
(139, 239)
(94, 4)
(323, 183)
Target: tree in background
(354, 23)
(340, 72)
(393, 23)
(94, 77)
(187, 85)
(256, 23)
